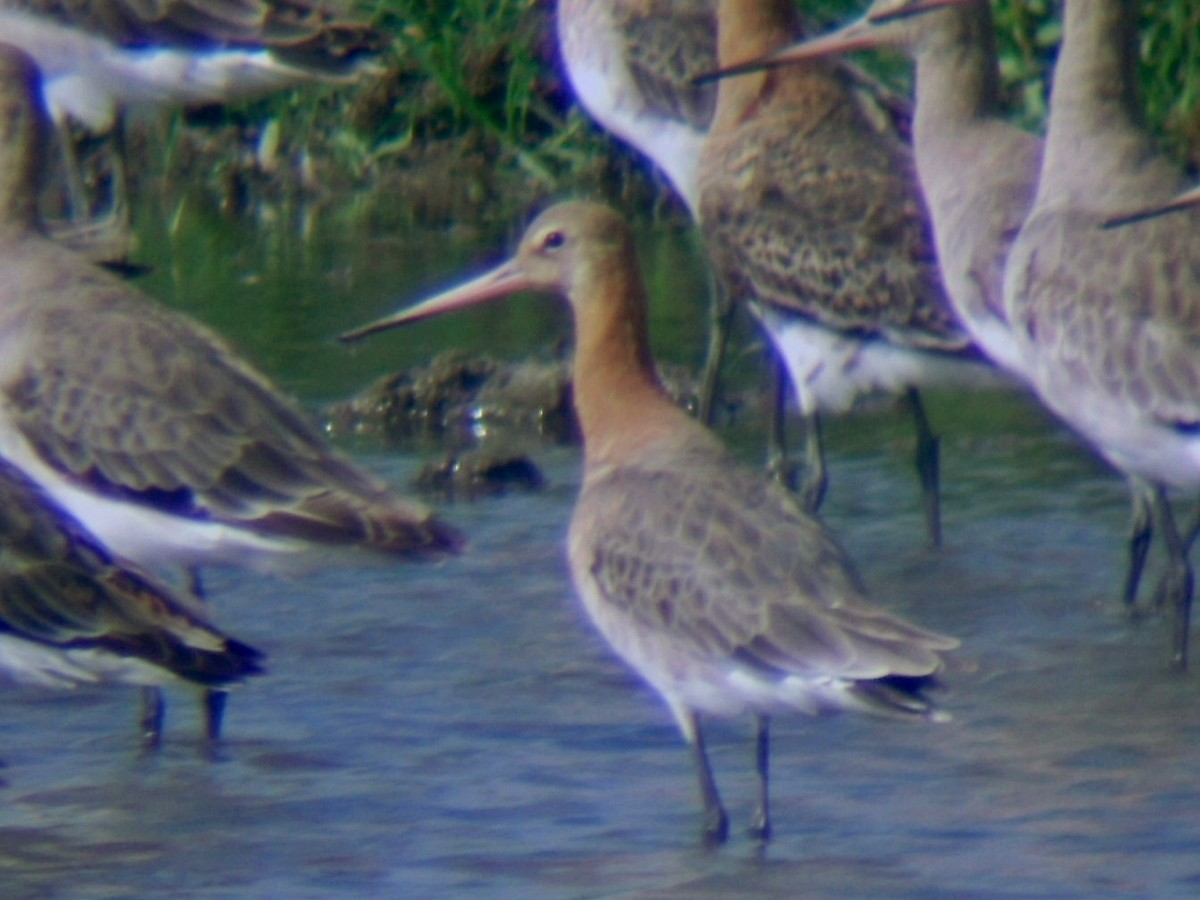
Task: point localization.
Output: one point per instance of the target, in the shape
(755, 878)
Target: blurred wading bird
(145, 425)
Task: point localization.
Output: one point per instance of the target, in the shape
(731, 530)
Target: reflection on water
(456, 729)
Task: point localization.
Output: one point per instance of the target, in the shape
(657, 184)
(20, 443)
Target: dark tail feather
(235, 662)
(899, 694)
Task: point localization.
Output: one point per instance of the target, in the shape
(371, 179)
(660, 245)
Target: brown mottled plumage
(807, 205)
(706, 578)
(811, 210)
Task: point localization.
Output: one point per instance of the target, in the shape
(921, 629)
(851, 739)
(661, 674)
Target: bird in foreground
(812, 213)
(1109, 319)
(105, 56)
(73, 614)
(707, 578)
(145, 425)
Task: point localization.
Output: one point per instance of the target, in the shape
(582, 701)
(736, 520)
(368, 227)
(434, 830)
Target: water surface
(457, 730)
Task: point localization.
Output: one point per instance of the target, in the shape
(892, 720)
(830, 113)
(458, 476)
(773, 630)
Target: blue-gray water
(457, 730)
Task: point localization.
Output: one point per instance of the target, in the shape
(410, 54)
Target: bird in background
(632, 65)
(705, 577)
(813, 215)
(978, 172)
(636, 67)
(1108, 319)
(104, 57)
(169, 447)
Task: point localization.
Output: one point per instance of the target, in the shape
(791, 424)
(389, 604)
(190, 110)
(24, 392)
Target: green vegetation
(472, 105)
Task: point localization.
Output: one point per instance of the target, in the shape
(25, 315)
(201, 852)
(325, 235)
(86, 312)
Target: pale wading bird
(632, 64)
(813, 215)
(72, 614)
(145, 425)
(978, 172)
(102, 57)
(1108, 320)
(707, 578)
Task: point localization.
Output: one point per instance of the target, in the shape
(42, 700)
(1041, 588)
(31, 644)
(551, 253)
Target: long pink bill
(499, 282)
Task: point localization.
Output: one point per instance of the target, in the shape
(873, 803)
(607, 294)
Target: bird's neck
(620, 402)
(1095, 134)
(746, 30)
(957, 75)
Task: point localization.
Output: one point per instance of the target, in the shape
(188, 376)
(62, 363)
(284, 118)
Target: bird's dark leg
(195, 582)
(1178, 579)
(760, 826)
(816, 480)
(214, 714)
(118, 182)
(1141, 531)
(927, 468)
(716, 822)
(81, 207)
(720, 320)
(811, 487)
(1192, 531)
(151, 719)
(214, 700)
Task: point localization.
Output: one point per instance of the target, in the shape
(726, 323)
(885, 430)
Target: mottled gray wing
(1119, 307)
(60, 588)
(667, 45)
(813, 211)
(139, 402)
(978, 226)
(725, 563)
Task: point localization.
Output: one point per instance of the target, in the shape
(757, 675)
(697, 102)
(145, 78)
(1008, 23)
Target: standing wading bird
(812, 213)
(72, 614)
(145, 425)
(707, 578)
(1108, 320)
(101, 57)
(978, 173)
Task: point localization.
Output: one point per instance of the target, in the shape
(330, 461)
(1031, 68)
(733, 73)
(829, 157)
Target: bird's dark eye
(554, 240)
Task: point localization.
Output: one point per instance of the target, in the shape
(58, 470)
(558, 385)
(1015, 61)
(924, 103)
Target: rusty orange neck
(621, 404)
(748, 29)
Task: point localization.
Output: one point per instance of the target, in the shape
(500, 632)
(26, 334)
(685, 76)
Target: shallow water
(456, 729)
